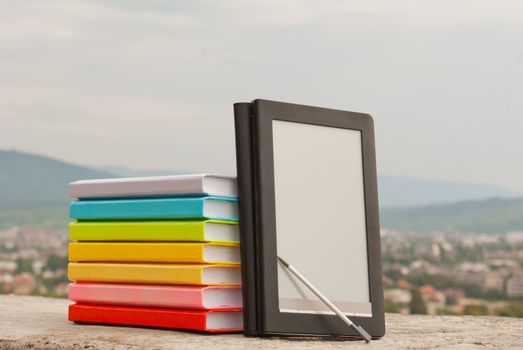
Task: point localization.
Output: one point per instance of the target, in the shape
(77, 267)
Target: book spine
(244, 167)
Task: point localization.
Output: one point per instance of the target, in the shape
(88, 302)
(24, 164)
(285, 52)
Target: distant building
(38, 265)
(514, 237)
(515, 286)
(453, 293)
(470, 267)
(500, 263)
(387, 281)
(422, 267)
(61, 289)
(479, 274)
(434, 299)
(493, 280)
(435, 251)
(404, 284)
(430, 293)
(6, 278)
(24, 283)
(400, 296)
(7, 266)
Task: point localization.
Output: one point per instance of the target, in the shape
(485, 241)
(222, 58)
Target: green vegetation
(24, 265)
(437, 281)
(50, 283)
(417, 304)
(30, 181)
(447, 312)
(475, 310)
(391, 307)
(43, 217)
(55, 262)
(514, 309)
(35, 189)
(451, 301)
(494, 215)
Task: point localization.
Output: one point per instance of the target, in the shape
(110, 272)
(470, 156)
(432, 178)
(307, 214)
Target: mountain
(493, 215)
(33, 191)
(33, 181)
(399, 191)
(394, 191)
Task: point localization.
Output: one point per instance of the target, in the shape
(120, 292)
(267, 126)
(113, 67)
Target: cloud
(150, 84)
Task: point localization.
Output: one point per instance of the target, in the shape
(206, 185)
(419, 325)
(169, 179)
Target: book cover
(243, 125)
(155, 186)
(219, 208)
(196, 274)
(164, 252)
(218, 321)
(193, 231)
(167, 296)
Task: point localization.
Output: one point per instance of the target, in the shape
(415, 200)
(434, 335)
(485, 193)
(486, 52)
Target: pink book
(166, 296)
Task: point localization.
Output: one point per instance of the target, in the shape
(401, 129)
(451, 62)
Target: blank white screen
(320, 216)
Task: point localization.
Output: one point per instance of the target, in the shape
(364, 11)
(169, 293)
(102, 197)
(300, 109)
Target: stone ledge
(41, 323)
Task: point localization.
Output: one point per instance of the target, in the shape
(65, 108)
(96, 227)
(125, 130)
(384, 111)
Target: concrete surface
(41, 323)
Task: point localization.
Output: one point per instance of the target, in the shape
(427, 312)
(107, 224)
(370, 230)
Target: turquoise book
(183, 208)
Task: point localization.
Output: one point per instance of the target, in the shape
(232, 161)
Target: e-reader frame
(269, 318)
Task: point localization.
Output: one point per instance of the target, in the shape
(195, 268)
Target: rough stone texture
(41, 323)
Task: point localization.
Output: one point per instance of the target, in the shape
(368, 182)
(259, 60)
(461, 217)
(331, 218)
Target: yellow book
(221, 253)
(155, 273)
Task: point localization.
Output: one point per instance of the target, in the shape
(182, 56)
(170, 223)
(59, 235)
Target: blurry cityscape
(453, 274)
(33, 261)
(432, 273)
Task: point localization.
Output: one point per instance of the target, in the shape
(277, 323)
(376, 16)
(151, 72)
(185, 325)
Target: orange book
(155, 273)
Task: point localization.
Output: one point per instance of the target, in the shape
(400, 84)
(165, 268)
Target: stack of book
(156, 252)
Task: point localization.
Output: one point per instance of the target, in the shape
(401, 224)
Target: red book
(215, 321)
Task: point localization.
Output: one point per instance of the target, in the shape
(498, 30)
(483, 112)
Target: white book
(155, 186)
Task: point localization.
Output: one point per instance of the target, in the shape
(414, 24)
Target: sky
(150, 84)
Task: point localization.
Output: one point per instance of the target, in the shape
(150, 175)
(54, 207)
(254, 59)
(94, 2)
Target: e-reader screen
(320, 217)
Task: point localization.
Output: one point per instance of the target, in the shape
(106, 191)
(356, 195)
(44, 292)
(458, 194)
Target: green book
(185, 231)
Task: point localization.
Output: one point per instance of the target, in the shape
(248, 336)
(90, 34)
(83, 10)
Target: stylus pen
(366, 336)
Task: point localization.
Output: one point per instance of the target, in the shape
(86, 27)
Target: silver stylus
(366, 336)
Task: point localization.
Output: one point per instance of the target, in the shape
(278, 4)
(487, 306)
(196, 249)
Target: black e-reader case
(255, 170)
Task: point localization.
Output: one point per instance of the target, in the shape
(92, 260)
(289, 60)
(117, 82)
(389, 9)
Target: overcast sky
(150, 84)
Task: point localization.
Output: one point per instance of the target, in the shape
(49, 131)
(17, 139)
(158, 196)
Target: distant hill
(399, 191)
(493, 215)
(394, 191)
(33, 192)
(33, 181)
